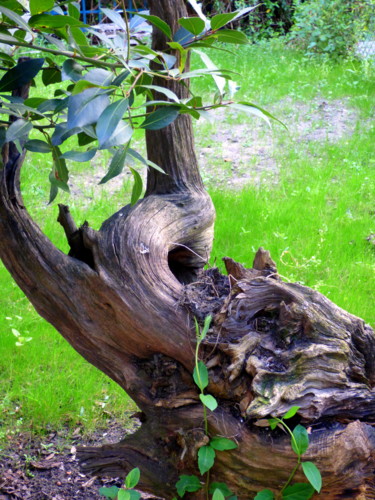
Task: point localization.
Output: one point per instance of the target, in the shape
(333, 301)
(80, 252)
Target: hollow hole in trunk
(184, 264)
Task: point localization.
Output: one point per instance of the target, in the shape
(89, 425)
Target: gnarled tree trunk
(125, 298)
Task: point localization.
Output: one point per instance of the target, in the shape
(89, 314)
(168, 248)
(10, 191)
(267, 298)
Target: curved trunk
(125, 298)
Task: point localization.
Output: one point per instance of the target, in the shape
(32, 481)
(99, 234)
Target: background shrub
(331, 26)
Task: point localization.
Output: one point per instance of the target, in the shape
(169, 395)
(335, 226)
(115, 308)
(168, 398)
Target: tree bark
(125, 298)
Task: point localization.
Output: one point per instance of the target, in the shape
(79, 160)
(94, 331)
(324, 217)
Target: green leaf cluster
(106, 90)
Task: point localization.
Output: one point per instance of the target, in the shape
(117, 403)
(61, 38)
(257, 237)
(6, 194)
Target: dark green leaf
(109, 492)
(300, 443)
(132, 479)
(121, 77)
(53, 192)
(38, 6)
(99, 76)
(137, 187)
(291, 412)
(222, 443)
(120, 136)
(299, 491)
(34, 102)
(232, 36)
(2, 137)
(61, 173)
(62, 132)
(6, 58)
(220, 486)
(51, 105)
(206, 459)
(158, 23)
(38, 146)
(18, 130)
(313, 475)
(117, 164)
(72, 70)
(188, 484)
(53, 21)
(86, 107)
(133, 495)
(193, 24)
(265, 495)
(208, 401)
(109, 119)
(79, 156)
(183, 36)
(134, 154)
(20, 74)
(160, 118)
(218, 495)
(221, 20)
(84, 139)
(51, 75)
(200, 375)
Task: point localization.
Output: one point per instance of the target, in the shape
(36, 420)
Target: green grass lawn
(313, 209)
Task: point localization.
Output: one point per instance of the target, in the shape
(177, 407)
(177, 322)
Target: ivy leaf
(300, 443)
(117, 164)
(20, 74)
(265, 495)
(38, 6)
(132, 479)
(137, 186)
(38, 146)
(299, 491)
(160, 118)
(18, 130)
(222, 443)
(193, 24)
(291, 412)
(313, 475)
(109, 119)
(158, 23)
(206, 458)
(200, 375)
(110, 493)
(208, 401)
(188, 484)
(221, 20)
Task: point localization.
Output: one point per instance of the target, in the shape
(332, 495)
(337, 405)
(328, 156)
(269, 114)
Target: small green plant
(206, 453)
(127, 491)
(299, 442)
